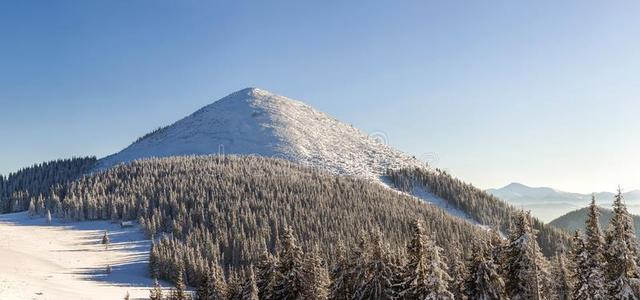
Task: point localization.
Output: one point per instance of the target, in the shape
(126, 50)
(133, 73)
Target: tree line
(18, 188)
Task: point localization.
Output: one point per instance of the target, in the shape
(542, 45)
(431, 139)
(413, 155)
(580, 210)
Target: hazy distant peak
(548, 203)
(516, 189)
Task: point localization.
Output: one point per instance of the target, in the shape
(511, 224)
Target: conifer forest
(248, 227)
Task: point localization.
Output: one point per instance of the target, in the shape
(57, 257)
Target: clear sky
(545, 93)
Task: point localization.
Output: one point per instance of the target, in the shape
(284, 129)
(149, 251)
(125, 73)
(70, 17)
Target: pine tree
(424, 274)
(220, 288)
(40, 209)
(459, 273)
(265, 278)
(376, 278)
(290, 275)
(622, 253)
(561, 278)
(437, 270)
(525, 269)
(156, 292)
(594, 253)
(105, 240)
(581, 270)
(234, 287)
(32, 209)
(484, 281)
(179, 292)
(49, 217)
(153, 260)
(316, 277)
(497, 248)
(205, 289)
(250, 289)
(341, 287)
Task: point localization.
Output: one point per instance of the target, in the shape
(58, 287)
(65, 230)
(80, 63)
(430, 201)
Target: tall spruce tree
(32, 208)
(439, 282)
(561, 278)
(206, 289)
(250, 289)
(266, 268)
(458, 272)
(234, 287)
(376, 278)
(594, 253)
(622, 253)
(416, 278)
(484, 281)
(316, 277)
(498, 245)
(341, 287)
(424, 275)
(581, 287)
(526, 269)
(289, 282)
(156, 292)
(217, 280)
(179, 292)
(154, 257)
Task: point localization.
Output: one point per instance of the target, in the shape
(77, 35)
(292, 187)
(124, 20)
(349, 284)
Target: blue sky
(539, 92)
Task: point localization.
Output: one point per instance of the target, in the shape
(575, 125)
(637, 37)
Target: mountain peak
(514, 185)
(254, 121)
(256, 99)
(252, 92)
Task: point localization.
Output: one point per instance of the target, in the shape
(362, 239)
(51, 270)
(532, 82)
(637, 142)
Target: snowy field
(67, 260)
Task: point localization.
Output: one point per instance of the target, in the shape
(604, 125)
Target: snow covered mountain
(548, 203)
(255, 121)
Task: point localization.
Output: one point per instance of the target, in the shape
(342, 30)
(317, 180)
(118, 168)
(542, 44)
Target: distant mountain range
(548, 203)
(575, 220)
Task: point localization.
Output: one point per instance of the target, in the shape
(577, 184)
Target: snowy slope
(254, 121)
(67, 260)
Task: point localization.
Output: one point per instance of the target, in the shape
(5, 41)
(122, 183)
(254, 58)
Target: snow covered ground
(427, 197)
(67, 260)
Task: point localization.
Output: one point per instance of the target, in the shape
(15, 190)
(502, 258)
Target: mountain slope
(231, 207)
(482, 207)
(254, 121)
(575, 220)
(548, 203)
